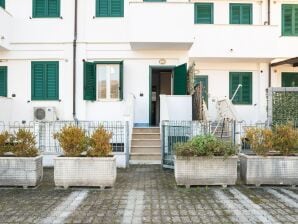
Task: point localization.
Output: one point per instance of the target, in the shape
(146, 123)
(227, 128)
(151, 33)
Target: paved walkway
(148, 194)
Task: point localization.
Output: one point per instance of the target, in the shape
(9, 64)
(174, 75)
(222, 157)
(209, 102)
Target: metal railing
(44, 132)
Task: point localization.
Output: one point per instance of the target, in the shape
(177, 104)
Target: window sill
(108, 100)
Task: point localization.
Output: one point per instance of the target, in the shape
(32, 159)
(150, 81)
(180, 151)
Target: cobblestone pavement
(148, 194)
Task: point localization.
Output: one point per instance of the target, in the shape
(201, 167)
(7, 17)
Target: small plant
(5, 139)
(260, 140)
(24, 144)
(20, 144)
(285, 139)
(100, 143)
(73, 141)
(205, 145)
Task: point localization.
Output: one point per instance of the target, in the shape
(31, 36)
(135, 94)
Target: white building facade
(143, 49)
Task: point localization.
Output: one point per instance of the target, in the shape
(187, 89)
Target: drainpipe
(269, 12)
(75, 60)
(269, 75)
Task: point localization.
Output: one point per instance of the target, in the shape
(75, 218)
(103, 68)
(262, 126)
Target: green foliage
(100, 143)
(20, 144)
(284, 107)
(73, 140)
(205, 145)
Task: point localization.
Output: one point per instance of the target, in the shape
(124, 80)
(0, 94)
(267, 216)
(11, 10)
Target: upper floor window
(204, 13)
(109, 8)
(2, 4)
(46, 8)
(289, 20)
(240, 13)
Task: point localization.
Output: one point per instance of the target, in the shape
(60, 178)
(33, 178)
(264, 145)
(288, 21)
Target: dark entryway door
(204, 80)
(180, 80)
(289, 79)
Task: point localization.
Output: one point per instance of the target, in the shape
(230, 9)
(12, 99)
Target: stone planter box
(85, 171)
(206, 171)
(21, 171)
(271, 170)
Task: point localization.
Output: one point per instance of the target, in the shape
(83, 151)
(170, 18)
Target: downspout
(269, 75)
(269, 12)
(75, 60)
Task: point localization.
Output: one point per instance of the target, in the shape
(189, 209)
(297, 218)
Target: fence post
(127, 145)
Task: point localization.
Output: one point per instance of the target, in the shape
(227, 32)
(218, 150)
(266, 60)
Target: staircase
(145, 146)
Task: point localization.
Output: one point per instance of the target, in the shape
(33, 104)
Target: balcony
(160, 26)
(5, 29)
(236, 41)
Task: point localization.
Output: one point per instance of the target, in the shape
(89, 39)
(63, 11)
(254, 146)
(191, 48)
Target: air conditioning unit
(45, 114)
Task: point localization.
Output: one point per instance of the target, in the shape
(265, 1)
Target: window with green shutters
(46, 8)
(244, 94)
(103, 80)
(45, 80)
(240, 13)
(3, 81)
(203, 13)
(109, 8)
(290, 20)
(2, 4)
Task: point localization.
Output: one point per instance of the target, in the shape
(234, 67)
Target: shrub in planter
(87, 160)
(205, 160)
(20, 164)
(274, 160)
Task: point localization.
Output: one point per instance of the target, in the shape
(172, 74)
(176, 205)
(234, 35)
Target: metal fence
(44, 132)
(181, 131)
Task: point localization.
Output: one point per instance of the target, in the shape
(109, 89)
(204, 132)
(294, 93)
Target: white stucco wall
(168, 23)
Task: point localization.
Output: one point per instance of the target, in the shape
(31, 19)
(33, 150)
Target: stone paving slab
(148, 194)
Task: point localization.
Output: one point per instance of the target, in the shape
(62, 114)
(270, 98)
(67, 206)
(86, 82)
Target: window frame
(285, 75)
(241, 5)
(5, 69)
(109, 15)
(211, 4)
(283, 33)
(46, 10)
(44, 97)
(120, 63)
(241, 102)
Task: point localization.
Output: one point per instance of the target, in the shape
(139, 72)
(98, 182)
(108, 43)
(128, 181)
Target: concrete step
(145, 142)
(146, 130)
(145, 157)
(145, 136)
(145, 149)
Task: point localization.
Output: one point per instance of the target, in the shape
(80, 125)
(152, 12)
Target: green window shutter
(52, 80)
(121, 81)
(3, 81)
(289, 20)
(46, 8)
(45, 80)
(289, 79)
(180, 80)
(2, 4)
(240, 13)
(109, 8)
(53, 8)
(203, 13)
(89, 81)
(244, 94)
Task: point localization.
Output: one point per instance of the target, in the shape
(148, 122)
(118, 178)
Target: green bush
(205, 145)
